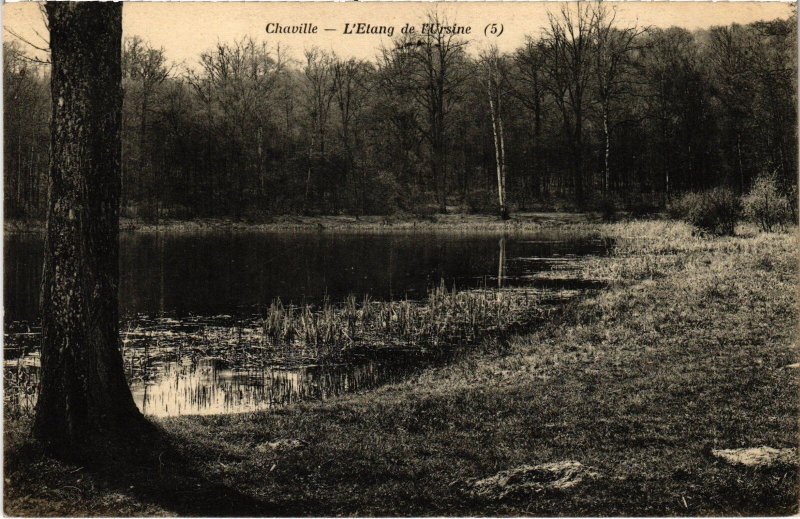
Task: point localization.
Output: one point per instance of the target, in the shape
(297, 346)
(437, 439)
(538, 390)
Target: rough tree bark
(84, 403)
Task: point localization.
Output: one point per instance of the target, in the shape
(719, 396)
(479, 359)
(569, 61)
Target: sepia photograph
(404, 259)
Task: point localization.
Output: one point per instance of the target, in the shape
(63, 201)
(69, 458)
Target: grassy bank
(687, 351)
(520, 222)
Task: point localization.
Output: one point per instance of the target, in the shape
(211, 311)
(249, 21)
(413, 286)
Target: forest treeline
(587, 112)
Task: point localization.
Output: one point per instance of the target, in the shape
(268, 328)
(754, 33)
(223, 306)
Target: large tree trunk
(85, 402)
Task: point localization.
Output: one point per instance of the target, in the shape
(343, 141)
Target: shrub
(714, 211)
(676, 208)
(765, 206)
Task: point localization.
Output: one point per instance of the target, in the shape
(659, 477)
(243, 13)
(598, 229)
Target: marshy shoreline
(453, 222)
(298, 350)
(688, 350)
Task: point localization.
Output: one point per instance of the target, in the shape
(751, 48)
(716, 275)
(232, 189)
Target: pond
(183, 296)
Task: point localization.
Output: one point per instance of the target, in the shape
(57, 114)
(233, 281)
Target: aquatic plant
(444, 317)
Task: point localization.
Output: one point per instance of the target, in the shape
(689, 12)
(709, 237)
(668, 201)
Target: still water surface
(176, 287)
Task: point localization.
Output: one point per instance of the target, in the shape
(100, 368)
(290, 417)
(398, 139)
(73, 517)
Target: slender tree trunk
(498, 154)
(495, 110)
(31, 185)
(437, 168)
(739, 161)
(537, 182)
(19, 186)
(464, 167)
(124, 190)
(578, 161)
(308, 175)
(504, 208)
(144, 171)
(664, 148)
(606, 154)
(84, 403)
(260, 137)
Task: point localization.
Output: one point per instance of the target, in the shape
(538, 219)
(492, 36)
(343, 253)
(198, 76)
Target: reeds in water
(444, 317)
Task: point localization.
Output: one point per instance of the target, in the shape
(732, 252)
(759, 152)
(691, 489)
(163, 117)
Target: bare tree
(400, 109)
(351, 86)
(435, 68)
(670, 59)
(529, 88)
(731, 56)
(490, 61)
(145, 67)
(236, 84)
(25, 119)
(568, 67)
(320, 90)
(613, 52)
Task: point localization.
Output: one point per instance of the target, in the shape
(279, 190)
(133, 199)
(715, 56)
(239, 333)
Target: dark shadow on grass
(156, 469)
(568, 284)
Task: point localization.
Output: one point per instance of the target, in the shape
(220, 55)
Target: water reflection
(240, 273)
(501, 262)
(208, 386)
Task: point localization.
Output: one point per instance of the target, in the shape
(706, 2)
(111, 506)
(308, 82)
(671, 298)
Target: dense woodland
(589, 112)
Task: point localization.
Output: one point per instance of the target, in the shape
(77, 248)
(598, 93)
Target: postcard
(400, 259)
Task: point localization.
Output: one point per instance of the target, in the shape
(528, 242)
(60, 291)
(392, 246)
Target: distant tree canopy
(590, 111)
